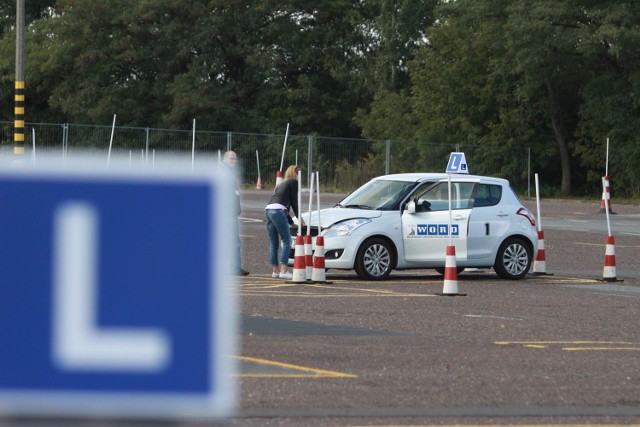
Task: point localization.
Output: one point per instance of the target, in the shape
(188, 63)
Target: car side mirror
(411, 207)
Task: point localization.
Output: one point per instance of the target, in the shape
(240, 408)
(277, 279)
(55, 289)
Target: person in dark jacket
(230, 160)
(284, 198)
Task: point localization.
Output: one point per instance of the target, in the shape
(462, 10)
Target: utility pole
(19, 104)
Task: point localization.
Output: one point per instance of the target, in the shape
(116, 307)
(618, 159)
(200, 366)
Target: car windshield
(378, 194)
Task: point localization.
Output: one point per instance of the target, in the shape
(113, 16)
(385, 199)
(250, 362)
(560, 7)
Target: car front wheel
(374, 260)
(513, 260)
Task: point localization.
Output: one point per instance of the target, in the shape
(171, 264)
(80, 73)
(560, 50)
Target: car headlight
(345, 228)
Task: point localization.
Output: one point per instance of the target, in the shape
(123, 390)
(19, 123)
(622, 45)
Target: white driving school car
(402, 221)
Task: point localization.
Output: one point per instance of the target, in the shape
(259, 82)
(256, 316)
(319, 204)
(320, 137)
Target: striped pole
(18, 124)
(605, 204)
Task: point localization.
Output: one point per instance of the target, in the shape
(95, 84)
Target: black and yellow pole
(19, 99)
(18, 124)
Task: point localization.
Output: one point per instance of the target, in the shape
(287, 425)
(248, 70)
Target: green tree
(611, 106)
(558, 77)
(246, 65)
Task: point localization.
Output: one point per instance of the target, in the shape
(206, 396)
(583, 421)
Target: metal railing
(343, 163)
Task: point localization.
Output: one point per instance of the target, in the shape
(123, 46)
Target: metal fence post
(387, 161)
(146, 146)
(309, 159)
(65, 139)
(229, 142)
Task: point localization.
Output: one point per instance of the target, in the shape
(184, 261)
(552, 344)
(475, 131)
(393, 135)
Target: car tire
(513, 259)
(374, 260)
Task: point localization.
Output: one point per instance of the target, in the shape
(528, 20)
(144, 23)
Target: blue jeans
(278, 228)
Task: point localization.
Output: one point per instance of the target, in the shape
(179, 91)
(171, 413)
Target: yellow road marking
(561, 342)
(312, 372)
(576, 345)
(601, 348)
(487, 425)
(307, 295)
(311, 290)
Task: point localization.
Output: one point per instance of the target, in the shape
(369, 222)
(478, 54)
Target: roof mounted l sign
(457, 164)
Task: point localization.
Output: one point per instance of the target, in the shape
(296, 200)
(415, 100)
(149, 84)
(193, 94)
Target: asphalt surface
(557, 348)
(561, 348)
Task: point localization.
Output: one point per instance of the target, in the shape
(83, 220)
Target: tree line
(559, 77)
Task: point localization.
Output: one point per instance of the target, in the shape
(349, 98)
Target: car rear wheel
(513, 260)
(374, 260)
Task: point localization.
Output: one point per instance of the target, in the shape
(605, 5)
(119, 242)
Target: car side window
(437, 197)
(487, 195)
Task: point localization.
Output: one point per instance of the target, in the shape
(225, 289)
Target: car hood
(331, 216)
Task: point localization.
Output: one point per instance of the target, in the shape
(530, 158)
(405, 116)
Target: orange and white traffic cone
(319, 275)
(606, 197)
(299, 268)
(450, 287)
(308, 255)
(279, 178)
(259, 184)
(609, 271)
(540, 264)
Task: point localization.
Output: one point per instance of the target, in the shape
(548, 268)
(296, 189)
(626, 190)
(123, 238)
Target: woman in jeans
(285, 197)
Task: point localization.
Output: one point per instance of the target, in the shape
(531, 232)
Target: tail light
(525, 213)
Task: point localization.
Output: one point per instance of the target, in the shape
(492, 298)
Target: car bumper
(339, 252)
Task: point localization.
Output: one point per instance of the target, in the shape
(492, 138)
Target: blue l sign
(457, 163)
(115, 295)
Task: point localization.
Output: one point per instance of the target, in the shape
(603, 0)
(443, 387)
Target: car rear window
(487, 195)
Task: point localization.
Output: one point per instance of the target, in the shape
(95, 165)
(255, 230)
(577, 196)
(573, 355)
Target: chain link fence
(344, 164)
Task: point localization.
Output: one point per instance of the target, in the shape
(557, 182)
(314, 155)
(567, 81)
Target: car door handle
(503, 214)
(459, 217)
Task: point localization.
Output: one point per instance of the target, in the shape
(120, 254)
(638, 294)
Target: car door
(488, 222)
(425, 229)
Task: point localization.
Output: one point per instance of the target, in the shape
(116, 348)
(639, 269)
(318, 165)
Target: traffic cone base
(308, 256)
(450, 288)
(318, 275)
(299, 268)
(609, 271)
(540, 264)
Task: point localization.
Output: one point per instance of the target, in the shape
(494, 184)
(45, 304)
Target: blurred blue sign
(114, 294)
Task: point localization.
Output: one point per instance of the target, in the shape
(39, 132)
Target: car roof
(424, 176)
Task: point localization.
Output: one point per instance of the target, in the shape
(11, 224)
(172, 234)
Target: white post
(193, 144)
(450, 214)
(33, 143)
(113, 128)
(284, 147)
(606, 206)
(258, 162)
(606, 166)
(310, 206)
(299, 203)
(318, 199)
(538, 203)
